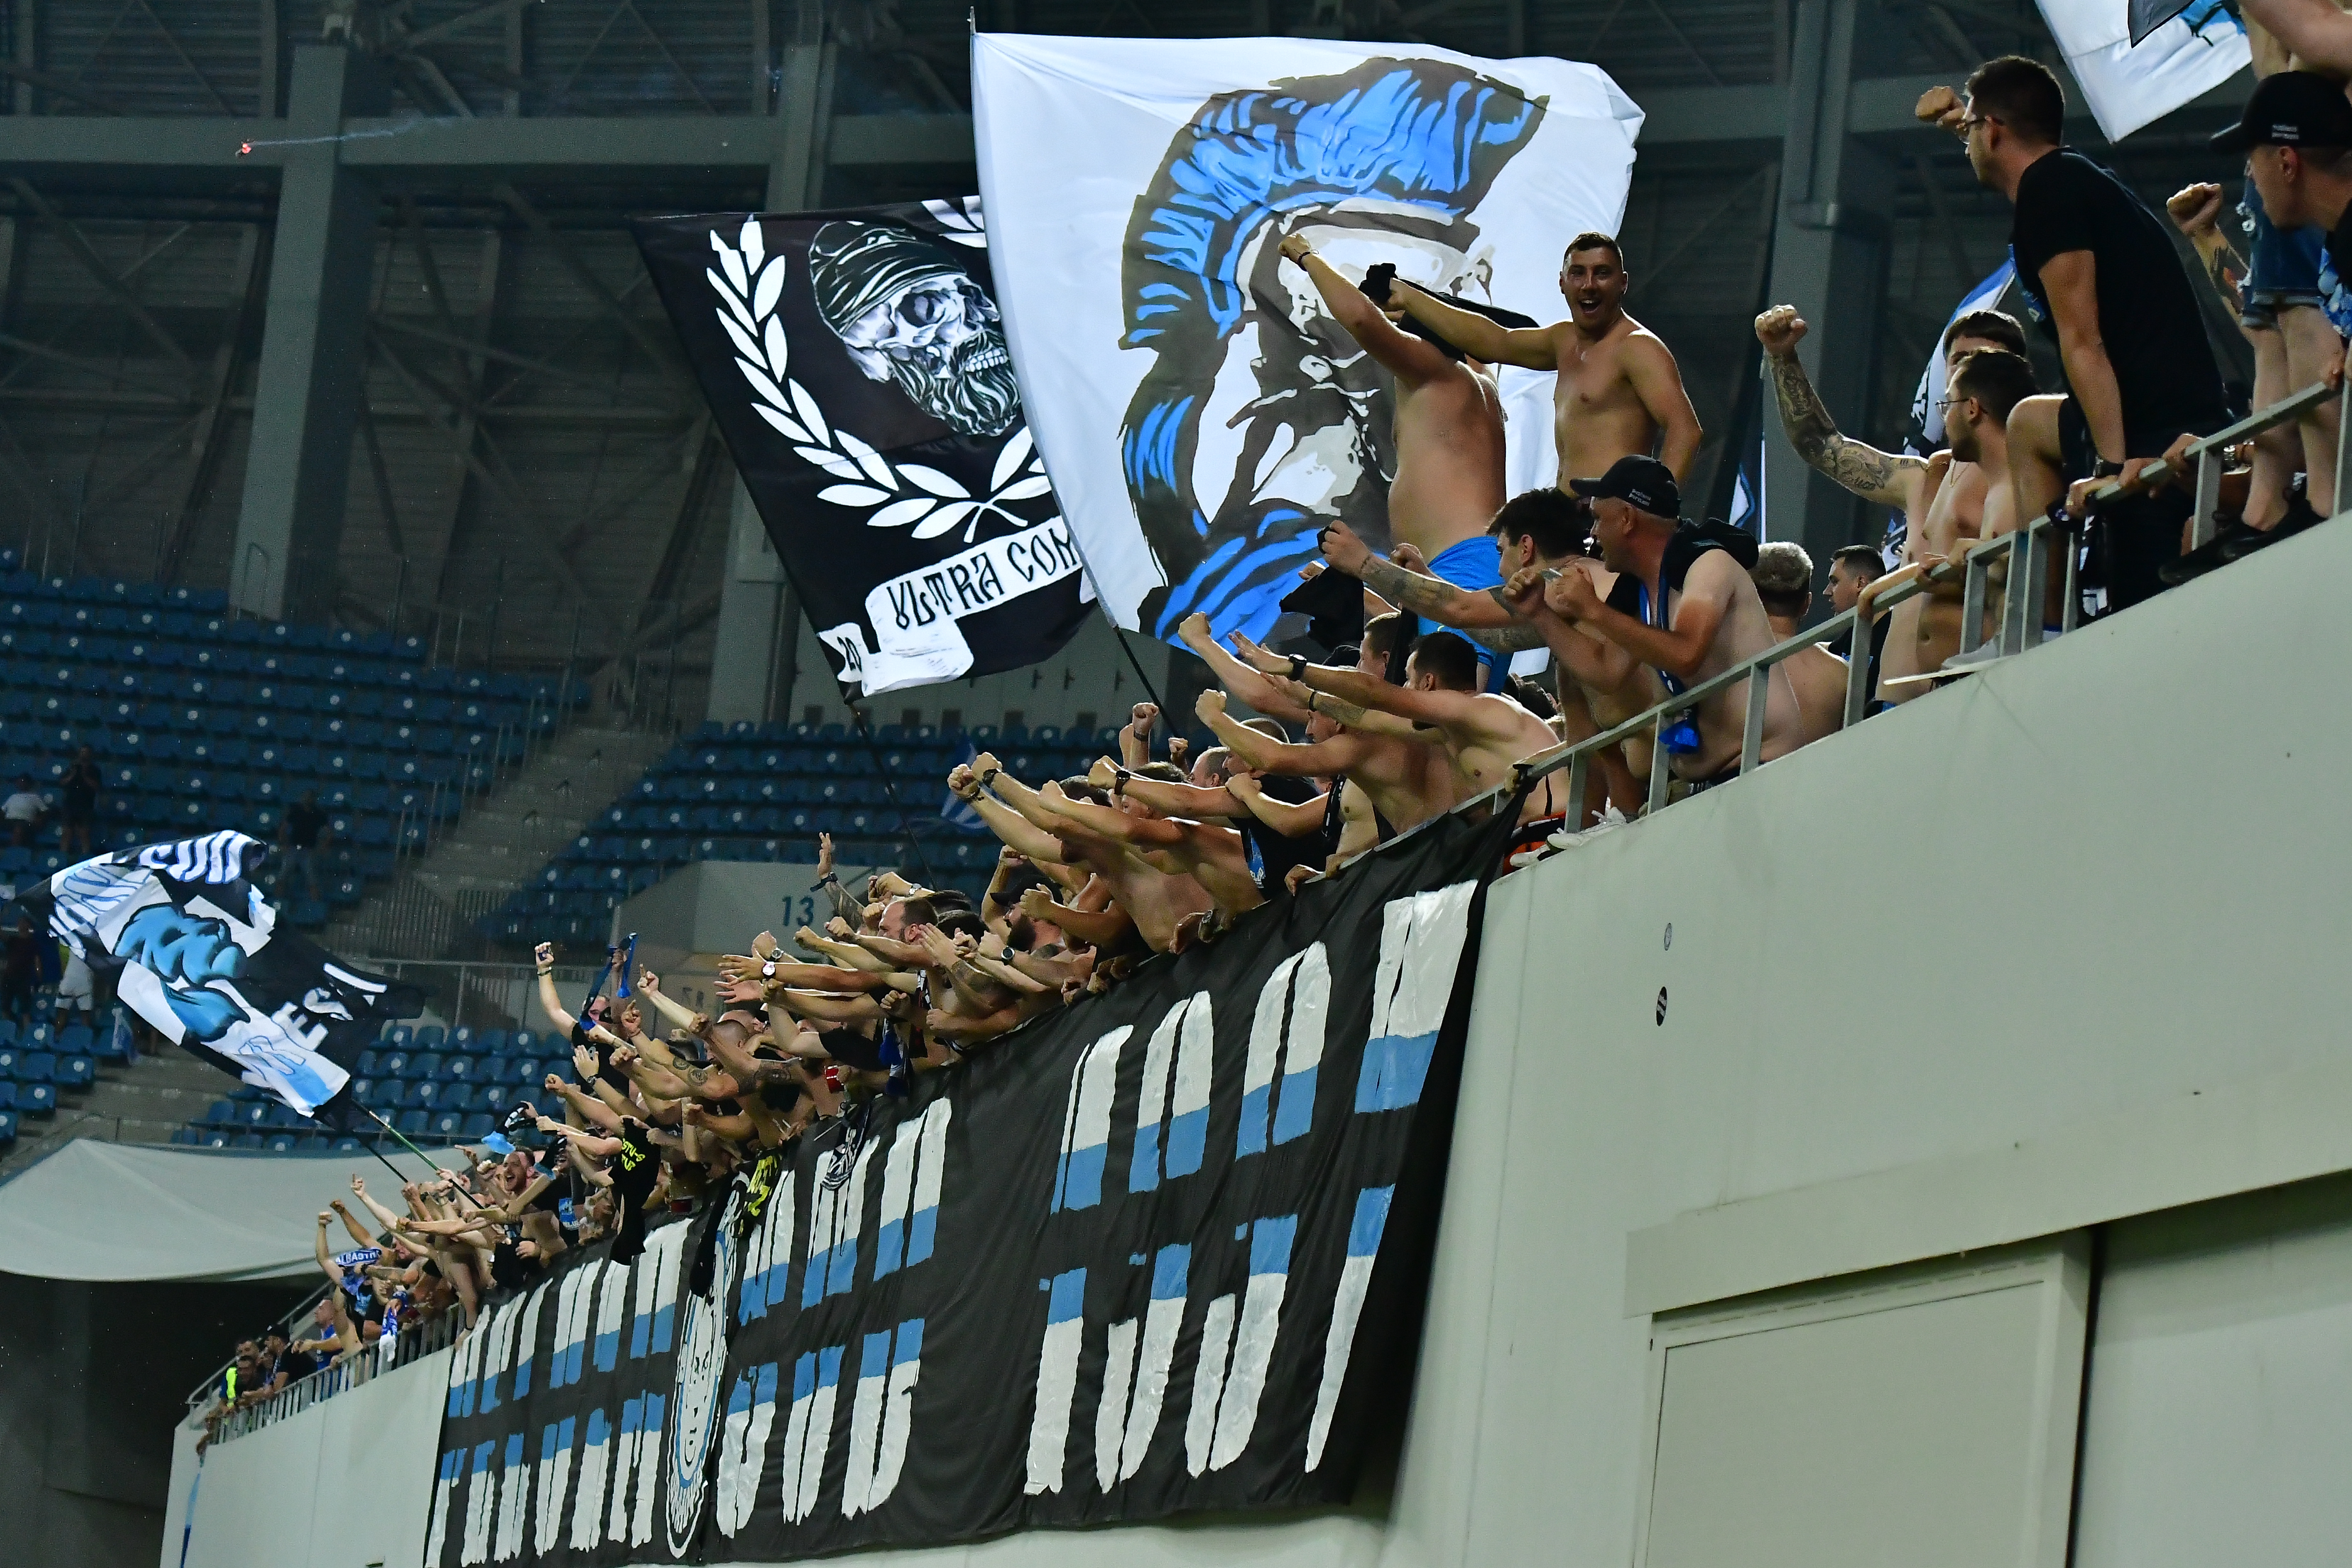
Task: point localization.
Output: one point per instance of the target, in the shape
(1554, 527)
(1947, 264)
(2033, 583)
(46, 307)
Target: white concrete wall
(347, 1483)
(2051, 949)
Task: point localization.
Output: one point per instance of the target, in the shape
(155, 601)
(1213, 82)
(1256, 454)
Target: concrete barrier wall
(2050, 948)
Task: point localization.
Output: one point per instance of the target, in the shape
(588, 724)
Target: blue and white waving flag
(2129, 85)
(198, 952)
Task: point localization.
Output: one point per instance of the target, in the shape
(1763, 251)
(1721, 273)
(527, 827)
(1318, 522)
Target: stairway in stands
(496, 848)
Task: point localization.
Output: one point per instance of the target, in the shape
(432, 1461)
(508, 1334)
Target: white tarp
(1199, 413)
(130, 1211)
(2128, 85)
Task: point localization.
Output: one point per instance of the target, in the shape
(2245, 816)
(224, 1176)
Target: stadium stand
(201, 721)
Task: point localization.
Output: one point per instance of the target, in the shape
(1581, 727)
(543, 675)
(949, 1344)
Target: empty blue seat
(77, 1071)
(492, 1042)
(7, 1095)
(7, 1127)
(460, 1068)
(522, 1042)
(37, 1067)
(75, 1037)
(393, 1063)
(281, 1142)
(37, 1099)
(411, 1122)
(424, 1063)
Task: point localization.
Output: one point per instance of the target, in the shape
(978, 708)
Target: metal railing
(2026, 558)
(364, 1365)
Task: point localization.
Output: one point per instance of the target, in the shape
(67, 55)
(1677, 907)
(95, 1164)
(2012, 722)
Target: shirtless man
(1449, 429)
(1405, 782)
(1479, 733)
(1619, 391)
(1783, 575)
(1690, 628)
(1942, 496)
(1212, 854)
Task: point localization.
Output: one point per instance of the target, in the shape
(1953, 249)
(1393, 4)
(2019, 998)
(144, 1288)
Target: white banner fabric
(1201, 416)
(2127, 87)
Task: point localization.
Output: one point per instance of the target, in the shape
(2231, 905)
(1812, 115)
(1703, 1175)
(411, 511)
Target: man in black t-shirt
(2102, 277)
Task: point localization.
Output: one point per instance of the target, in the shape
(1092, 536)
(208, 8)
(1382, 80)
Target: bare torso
(1597, 417)
(1407, 783)
(1154, 900)
(1483, 762)
(1449, 459)
(1722, 719)
(1818, 676)
(1946, 512)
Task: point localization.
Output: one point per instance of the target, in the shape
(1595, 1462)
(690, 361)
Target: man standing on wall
(1448, 432)
(1619, 393)
(2100, 272)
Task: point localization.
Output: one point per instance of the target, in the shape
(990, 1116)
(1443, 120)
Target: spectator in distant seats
(1783, 575)
(22, 970)
(282, 1364)
(77, 793)
(2108, 286)
(302, 837)
(23, 812)
(77, 991)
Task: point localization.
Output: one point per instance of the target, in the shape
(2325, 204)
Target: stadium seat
(78, 1071)
(412, 1122)
(34, 1036)
(282, 1143)
(393, 1063)
(75, 1037)
(37, 1067)
(37, 1098)
(7, 1127)
(428, 1038)
(424, 1063)
(7, 1095)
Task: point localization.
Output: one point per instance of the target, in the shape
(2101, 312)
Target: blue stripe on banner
(874, 1354)
(1371, 1218)
(1270, 1244)
(1295, 1115)
(1188, 1139)
(1395, 1066)
(911, 1342)
(663, 1316)
(828, 1367)
(1143, 1167)
(1251, 1140)
(804, 1376)
(1069, 1297)
(1082, 1174)
(482, 1452)
(1168, 1272)
(890, 1244)
(633, 1416)
(920, 1231)
(514, 1449)
(766, 1393)
(739, 1398)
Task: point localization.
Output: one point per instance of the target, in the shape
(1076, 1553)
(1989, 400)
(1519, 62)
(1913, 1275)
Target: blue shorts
(1473, 565)
(2283, 270)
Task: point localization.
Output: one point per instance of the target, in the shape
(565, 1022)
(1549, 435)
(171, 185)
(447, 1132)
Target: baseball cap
(1644, 482)
(2292, 109)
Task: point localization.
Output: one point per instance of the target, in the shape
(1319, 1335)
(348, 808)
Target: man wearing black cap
(2297, 134)
(1698, 615)
(2101, 275)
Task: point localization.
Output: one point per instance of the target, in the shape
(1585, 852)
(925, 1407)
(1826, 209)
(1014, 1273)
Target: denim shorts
(2282, 271)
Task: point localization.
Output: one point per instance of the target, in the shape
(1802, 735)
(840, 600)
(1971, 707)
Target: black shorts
(2133, 539)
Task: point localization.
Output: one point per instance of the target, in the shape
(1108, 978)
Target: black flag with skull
(855, 365)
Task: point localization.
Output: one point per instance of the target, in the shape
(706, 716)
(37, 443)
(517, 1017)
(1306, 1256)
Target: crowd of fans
(1412, 708)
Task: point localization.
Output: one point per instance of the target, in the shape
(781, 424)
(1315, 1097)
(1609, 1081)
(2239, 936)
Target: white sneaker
(1970, 660)
(1609, 818)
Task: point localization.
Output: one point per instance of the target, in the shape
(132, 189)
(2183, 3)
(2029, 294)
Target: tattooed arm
(1868, 472)
(1485, 618)
(2195, 210)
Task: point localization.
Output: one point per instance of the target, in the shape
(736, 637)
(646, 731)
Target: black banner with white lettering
(855, 365)
(1163, 1251)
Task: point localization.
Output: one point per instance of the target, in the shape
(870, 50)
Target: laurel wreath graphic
(749, 284)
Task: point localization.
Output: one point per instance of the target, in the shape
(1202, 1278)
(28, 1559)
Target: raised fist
(1210, 706)
(1779, 330)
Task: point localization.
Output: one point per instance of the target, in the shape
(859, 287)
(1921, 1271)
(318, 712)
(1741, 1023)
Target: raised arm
(1873, 475)
(2196, 211)
(1100, 929)
(1474, 334)
(1657, 381)
(1370, 694)
(1318, 759)
(649, 987)
(2319, 34)
(1300, 821)
(543, 957)
(1013, 830)
(1401, 352)
(1483, 616)
(1240, 681)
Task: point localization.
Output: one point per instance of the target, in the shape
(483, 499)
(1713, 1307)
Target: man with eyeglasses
(2100, 274)
(1944, 496)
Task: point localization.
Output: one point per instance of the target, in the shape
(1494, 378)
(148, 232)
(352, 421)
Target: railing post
(2342, 499)
(1660, 776)
(1975, 572)
(1858, 670)
(1579, 779)
(1751, 740)
(2015, 608)
(2201, 525)
(2070, 602)
(2039, 539)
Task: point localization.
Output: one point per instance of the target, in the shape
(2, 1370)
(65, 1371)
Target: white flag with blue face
(197, 951)
(2129, 85)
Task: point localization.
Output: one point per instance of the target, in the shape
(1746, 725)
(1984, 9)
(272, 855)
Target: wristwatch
(768, 970)
(2103, 469)
(1297, 666)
